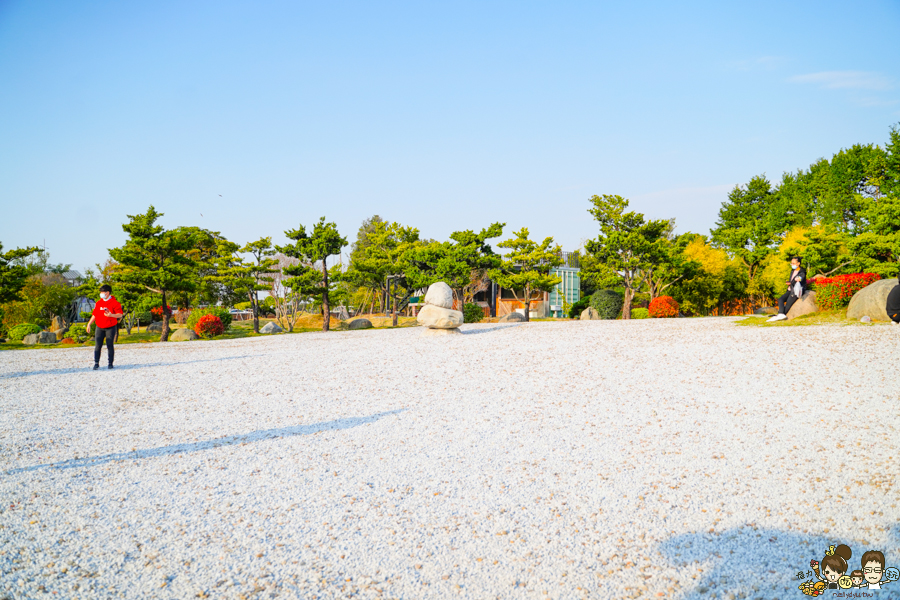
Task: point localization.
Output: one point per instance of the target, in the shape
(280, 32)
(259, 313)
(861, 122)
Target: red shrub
(835, 292)
(209, 326)
(663, 307)
(158, 311)
(67, 341)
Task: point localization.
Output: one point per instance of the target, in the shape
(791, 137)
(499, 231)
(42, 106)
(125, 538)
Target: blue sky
(260, 116)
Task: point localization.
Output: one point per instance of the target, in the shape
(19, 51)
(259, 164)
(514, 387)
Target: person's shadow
(765, 563)
(125, 367)
(246, 438)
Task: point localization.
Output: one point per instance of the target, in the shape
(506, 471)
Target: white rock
(270, 327)
(439, 294)
(435, 317)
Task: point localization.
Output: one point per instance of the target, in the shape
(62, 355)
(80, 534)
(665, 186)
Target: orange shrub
(663, 307)
(209, 326)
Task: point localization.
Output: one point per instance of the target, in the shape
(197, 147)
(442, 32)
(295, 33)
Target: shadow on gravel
(765, 562)
(488, 329)
(119, 367)
(246, 438)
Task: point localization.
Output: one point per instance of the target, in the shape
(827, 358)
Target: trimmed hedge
(640, 313)
(663, 307)
(209, 326)
(197, 313)
(19, 332)
(576, 309)
(607, 303)
(472, 313)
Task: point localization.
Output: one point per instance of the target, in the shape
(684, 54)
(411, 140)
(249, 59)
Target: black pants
(786, 302)
(110, 334)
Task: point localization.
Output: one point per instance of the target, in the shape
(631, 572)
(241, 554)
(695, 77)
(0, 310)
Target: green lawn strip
(822, 317)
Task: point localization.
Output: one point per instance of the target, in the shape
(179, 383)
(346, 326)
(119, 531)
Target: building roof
(72, 275)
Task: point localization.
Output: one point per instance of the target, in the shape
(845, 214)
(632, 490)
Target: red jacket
(100, 317)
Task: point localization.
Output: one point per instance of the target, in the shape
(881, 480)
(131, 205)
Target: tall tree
(627, 246)
(454, 261)
(13, 273)
(744, 227)
(671, 264)
(527, 266)
(380, 254)
(310, 249)
(156, 259)
(244, 277)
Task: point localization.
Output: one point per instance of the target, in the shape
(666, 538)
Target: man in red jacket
(107, 312)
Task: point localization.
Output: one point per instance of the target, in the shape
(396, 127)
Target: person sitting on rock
(893, 305)
(796, 286)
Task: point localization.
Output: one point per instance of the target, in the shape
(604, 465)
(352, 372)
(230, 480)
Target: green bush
(143, 318)
(218, 311)
(19, 332)
(576, 309)
(640, 313)
(607, 303)
(243, 306)
(472, 313)
(77, 333)
(84, 315)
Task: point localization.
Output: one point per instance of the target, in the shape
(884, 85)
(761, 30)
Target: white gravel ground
(674, 458)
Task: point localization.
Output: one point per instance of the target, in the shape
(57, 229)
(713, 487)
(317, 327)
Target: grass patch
(822, 317)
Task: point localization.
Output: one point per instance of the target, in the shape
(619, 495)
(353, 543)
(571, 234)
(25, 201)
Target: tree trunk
(164, 337)
(326, 309)
(527, 302)
(394, 307)
(626, 307)
(254, 306)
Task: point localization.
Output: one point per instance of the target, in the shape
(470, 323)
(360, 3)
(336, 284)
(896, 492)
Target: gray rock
(435, 317)
(360, 324)
(866, 319)
(155, 327)
(439, 294)
(804, 306)
(183, 335)
(438, 332)
(44, 337)
(513, 317)
(589, 314)
(270, 327)
(871, 301)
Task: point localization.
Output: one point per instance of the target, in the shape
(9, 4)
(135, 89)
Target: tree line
(841, 215)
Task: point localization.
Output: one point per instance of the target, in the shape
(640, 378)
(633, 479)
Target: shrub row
(835, 292)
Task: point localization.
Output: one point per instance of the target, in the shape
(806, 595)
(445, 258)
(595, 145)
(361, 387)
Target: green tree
(627, 247)
(246, 277)
(526, 267)
(744, 227)
(670, 265)
(13, 273)
(156, 259)
(380, 253)
(306, 278)
(454, 262)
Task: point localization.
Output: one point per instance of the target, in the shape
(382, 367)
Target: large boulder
(360, 324)
(589, 314)
(803, 306)
(439, 294)
(56, 323)
(270, 327)
(155, 327)
(44, 337)
(183, 335)
(871, 301)
(513, 317)
(435, 317)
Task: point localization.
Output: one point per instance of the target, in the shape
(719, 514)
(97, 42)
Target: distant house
(74, 278)
(497, 301)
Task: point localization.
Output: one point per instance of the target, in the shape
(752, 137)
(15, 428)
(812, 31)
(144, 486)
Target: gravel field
(682, 458)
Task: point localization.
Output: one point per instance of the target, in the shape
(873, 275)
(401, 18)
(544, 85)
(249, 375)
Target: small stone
(155, 327)
(513, 317)
(865, 319)
(360, 324)
(183, 335)
(271, 327)
(590, 314)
